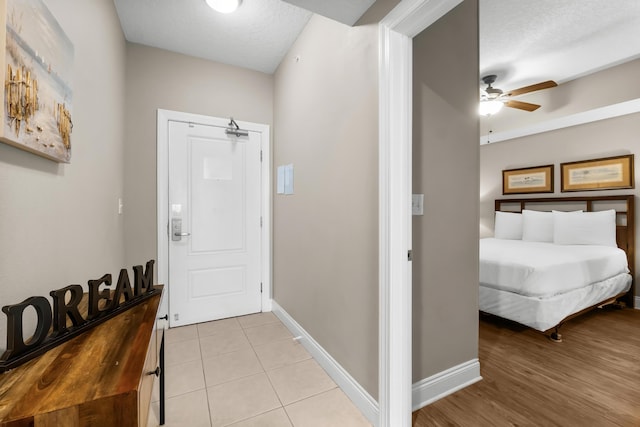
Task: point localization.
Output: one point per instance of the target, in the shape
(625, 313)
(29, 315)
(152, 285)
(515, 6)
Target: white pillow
(585, 228)
(537, 226)
(508, 226)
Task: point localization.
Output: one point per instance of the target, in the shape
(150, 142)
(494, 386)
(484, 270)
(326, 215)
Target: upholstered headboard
(624, 205)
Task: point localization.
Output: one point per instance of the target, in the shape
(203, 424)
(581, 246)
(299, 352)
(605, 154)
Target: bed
(554, 258)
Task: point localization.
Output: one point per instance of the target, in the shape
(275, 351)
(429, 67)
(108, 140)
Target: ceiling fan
(493, 99)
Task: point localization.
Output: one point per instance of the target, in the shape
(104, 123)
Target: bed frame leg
(619, 305)
(555, 336)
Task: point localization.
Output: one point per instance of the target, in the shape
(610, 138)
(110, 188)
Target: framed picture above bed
(609, 173)
(538, 179)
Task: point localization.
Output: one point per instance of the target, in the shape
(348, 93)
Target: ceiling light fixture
(224, 6)
(489, 107)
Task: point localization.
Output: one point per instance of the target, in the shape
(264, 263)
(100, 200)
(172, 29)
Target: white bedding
(538, 269)
(545, 313)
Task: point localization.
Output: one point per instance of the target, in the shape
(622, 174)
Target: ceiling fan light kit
(489, 107)
(492, 99)
(224, 6)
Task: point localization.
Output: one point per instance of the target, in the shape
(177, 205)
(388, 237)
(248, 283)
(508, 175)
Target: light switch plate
(417, 204)
(284, 179)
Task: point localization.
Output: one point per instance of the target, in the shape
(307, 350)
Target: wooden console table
(103, 377)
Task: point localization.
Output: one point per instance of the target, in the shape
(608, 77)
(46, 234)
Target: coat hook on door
(231, 130)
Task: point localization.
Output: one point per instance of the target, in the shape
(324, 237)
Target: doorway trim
(396, 32)
(162, 187)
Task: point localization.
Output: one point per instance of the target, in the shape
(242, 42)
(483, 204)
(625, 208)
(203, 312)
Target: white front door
(214, 223)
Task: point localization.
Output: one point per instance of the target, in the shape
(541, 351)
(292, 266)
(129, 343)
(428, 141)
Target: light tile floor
(247, 372)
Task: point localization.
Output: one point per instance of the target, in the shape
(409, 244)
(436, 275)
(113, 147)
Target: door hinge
(260, 287)
(410, 255)
(261, 155)
(260, 222)
(176, 317)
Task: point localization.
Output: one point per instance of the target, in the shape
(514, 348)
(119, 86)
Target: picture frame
(37, 66)
(537, 179)
(607, 173)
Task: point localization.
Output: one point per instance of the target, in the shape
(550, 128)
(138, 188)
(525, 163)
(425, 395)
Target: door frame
(396, 32)
(162, 186)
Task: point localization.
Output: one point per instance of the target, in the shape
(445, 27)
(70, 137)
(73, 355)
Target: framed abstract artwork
(37, 66)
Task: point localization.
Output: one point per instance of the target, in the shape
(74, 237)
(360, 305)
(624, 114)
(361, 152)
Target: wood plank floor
(591, 379)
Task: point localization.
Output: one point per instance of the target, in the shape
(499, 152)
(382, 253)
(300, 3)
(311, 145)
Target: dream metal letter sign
(52, 328)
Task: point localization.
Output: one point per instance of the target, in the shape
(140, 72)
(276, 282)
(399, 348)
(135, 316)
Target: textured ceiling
(528, 41)
(522, 41)
(256, 36)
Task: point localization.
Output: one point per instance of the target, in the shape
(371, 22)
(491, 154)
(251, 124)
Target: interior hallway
(247, 371)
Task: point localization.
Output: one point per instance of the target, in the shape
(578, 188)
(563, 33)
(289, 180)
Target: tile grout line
(282, 406)
(206, 389)
(264, 371)
(261, 364)
(197, 338)
(174, 343)
(335, 386)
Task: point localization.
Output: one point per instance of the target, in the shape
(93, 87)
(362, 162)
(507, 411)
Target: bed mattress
(542, 270)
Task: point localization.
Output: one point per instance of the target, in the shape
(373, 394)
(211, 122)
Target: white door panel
(214, 189)
(212, 168)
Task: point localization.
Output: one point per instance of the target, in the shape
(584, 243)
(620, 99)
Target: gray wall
(160, 79)
(606, 138)
(445, 170)
(326, 235)
(59, 222)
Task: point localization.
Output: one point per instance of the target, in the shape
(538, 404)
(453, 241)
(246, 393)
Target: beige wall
(63, 219)
(158, 79)
(59, 222)
(326, 235)
(604, 138)
(445, 170)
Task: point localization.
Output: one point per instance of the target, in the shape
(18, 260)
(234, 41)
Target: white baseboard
(424, 392)
(267, 304)
(358, 395)
(637, 303)
(444, 383)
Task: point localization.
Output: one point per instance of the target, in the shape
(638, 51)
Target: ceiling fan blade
(538, 86)
(521, 105)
